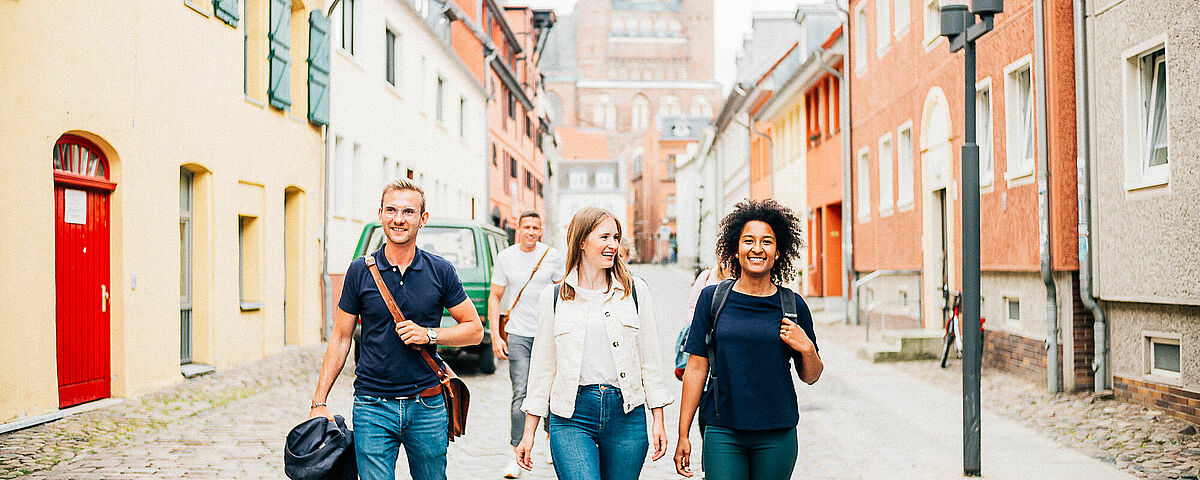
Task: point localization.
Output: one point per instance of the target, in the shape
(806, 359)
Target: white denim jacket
(557, 356)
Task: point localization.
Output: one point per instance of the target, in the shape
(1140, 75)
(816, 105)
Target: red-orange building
(504, 53)
(652, 186)
(907, 132)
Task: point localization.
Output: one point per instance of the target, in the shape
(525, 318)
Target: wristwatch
(432, 334)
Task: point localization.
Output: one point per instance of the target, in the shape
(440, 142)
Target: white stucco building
(403, 105)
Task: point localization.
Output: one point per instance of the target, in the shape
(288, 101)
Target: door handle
(103, 298)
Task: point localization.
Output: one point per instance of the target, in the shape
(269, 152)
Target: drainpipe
(1043, 182)
(327, 283)
(1083, 169)
(844, 120)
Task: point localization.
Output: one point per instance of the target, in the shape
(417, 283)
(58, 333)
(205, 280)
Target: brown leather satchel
(454, 390)
(504, 316)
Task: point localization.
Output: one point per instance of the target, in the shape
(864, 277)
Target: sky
(731, 20)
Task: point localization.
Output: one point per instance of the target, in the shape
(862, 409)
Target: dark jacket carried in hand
(319, 449)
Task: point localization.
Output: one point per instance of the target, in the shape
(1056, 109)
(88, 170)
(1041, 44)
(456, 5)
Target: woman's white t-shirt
(598, 366)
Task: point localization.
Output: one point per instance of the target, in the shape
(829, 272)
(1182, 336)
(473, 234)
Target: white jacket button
(622, 374)
(607, 314)
(616, 344)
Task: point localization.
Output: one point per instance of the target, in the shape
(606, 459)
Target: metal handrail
(858, 284)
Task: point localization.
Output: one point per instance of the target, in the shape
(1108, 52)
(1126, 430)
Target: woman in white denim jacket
(596, 363)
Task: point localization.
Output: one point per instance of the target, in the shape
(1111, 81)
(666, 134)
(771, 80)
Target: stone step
(903, 345)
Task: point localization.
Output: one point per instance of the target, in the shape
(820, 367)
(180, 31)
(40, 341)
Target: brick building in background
(906, 106)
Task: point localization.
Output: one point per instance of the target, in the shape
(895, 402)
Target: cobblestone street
(231, 424)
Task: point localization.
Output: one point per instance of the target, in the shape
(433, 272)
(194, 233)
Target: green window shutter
(279, 90)
(227, 11)
(318, 68)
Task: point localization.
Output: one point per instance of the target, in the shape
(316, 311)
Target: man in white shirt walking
(521, 272)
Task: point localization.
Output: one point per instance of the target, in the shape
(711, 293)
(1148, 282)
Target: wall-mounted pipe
(1043, 183)
(1084, 179)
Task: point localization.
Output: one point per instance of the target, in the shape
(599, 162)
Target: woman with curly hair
(748, 405)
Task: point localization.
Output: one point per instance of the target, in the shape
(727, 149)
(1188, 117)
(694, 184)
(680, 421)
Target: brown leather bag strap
(531, 274)
(399, 317)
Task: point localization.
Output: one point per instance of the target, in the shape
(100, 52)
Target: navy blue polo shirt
(753, 371)
(386, 366)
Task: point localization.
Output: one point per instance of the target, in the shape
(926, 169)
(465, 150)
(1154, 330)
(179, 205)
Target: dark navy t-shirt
(386, 366)
(754, 374)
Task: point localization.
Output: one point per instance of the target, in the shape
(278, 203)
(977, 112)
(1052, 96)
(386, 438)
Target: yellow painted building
(162, 192)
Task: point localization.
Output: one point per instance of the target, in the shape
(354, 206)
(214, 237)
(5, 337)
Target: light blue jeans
(600, 441)
(381, 425)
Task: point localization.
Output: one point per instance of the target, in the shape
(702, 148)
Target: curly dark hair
(789, 236)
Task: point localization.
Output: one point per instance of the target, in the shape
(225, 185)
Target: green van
(469, 245)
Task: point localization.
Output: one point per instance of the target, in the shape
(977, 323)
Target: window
(983, 131)
(883, 26)
(864, 185)
(669, 106)
(441, 92)
(904, 171)
(1152, 95)
(885, 175)
(1012, 307)
(933, 24)
(641, 113)
(528, 180)
(901, 18)
(390, 62)
(670, 206)
(671, 166)
(578, 179)
(249, 285)
(605, 179)
(462, 117)
(348, 26)
(1163, 355)
(1018, 126)
(512, 104)
(860, 38)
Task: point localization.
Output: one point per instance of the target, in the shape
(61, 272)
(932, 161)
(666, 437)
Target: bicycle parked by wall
(953, 329)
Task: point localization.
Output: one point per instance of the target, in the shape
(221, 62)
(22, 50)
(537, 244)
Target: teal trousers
(748, 455)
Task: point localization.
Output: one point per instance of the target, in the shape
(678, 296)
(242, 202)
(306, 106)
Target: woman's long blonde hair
(582, 224)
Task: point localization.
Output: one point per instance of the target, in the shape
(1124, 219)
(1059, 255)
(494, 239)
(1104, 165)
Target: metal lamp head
(953, 19)
(987, 7)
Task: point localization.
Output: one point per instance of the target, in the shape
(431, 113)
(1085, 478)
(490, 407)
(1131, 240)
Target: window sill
(255, 102)
(394, 90)
(250, 306)
(904, 207)
(199, 7)
(899, 34)
(885, 213)
(1147, 182)
(350, 58)
(881, 52)
(862, 218)
(1016, 179)
(1162, 378)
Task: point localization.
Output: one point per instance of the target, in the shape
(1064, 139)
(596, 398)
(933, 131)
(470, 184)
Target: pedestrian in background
(529, 266)
(397, 398)
(596, 362)
(708, 276)
(749, 405)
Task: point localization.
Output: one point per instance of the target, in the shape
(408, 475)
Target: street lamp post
(961, 28)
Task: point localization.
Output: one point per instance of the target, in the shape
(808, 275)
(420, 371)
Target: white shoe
(512, 470)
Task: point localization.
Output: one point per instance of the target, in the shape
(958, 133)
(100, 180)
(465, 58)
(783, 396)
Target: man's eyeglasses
(391, 212)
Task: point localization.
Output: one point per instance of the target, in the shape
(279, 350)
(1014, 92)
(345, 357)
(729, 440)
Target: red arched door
(81, 269)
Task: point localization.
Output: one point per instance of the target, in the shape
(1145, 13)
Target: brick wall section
(1179, 403)
(1083, 337)
(1020, 356)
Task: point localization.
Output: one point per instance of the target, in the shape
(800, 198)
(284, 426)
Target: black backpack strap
(787, 301)
(633, 290)
(714, 312)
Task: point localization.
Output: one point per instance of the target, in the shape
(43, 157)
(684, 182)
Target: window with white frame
(640, 114)
(1163, 355)
(932, 20)
(605, 179)
(864, 185)
(578, 179)
(1012, 309)
(885, 175)
(904, 172)
(348, 26)
(860, 39)
(883, 26)
(983, 131)
(1018, 123)
(1152, 112)
(439, 108)
(390, 56)
(902, 17)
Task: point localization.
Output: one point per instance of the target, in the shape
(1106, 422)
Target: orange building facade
(907, 132)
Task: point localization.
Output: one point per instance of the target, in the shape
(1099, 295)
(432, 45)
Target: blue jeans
(382, 424)
(600, 441)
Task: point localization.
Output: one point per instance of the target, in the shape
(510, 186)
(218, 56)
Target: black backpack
(787, 302)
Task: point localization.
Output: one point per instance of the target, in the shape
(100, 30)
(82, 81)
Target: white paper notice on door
(75, 206)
